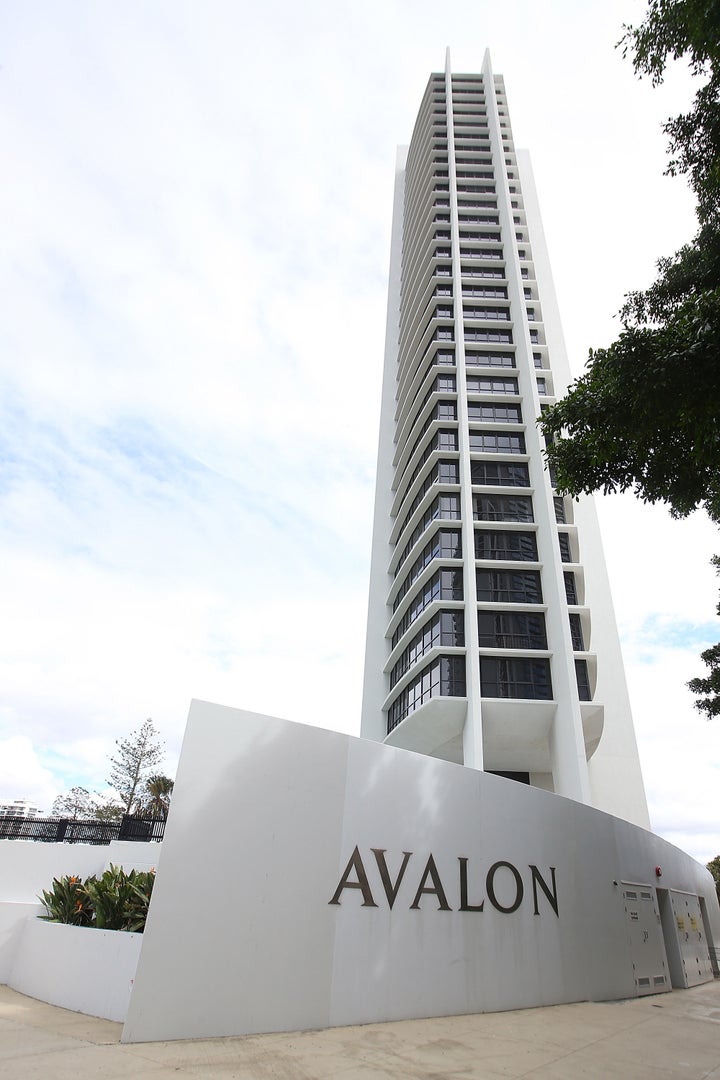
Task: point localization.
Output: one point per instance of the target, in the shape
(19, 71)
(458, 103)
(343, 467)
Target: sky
(196, 204)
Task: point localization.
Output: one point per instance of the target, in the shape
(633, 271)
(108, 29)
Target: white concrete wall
(13, 917)
(242, 936)
(79, 968)
(27, 867)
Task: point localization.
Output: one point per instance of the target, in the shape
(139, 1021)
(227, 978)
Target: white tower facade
(491, 637)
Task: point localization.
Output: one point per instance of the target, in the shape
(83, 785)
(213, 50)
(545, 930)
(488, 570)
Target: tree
(645, 414)
(135, 758)
(76, 804)
(714, 868)
(686, 28)
(709, 687)
(158, 792)
(108, 811)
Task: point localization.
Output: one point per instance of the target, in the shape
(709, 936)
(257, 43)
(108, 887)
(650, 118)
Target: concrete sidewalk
(669, 1035)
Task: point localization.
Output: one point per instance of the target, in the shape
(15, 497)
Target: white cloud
(23, 776)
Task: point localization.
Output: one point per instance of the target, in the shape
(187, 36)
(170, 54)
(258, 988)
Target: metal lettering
(362, 882)
(431, 871)
(537, 879)
(490, 885)
(464, 906)
(391, 890)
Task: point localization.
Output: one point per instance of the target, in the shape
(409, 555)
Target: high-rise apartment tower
(491, 637)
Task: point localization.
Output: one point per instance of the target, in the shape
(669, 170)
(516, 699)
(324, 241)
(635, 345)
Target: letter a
(362, 882)
(431, 871)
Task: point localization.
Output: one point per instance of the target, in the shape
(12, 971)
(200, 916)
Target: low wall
(363, 883)
(78, 968)
(310, 879)
(13, 917)
(27, 867)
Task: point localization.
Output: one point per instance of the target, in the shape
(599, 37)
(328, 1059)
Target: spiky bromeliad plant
(115, 901)
(67, 902)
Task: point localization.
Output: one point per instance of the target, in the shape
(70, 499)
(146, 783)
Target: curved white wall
(272, 821)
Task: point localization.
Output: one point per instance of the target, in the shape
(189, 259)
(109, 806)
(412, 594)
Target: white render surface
(267, 815)
(13, 917)
(28, 867)
(471, 304)
(87, 970)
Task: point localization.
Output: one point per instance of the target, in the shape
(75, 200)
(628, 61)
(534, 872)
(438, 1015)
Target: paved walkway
(671, 1035)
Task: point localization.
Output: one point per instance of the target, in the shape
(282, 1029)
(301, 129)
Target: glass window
(570, 588)
(559, 504)
(508, 586)
(583, 680)
(486, 411)
(481, 253)
(489, 359)
(497, 442)
(481, 272)
(503, 337)
(489, 384)
(502, 314)
(576, 633)
(444, 410)
(515, 677)
(512, 630)
(502, 508)
(565, 553)
(446, 505)
(492, 291)
(445, 544)
(445, 677)
(446, 584)
(443, 440)
(504, 544)
(499, 474)
(446, 628)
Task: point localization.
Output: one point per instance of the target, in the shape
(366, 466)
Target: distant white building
(491, 635)
(19, 808)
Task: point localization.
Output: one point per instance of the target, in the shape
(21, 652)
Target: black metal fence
(65, 831)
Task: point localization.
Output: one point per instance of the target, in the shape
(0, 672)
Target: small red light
(658, 871)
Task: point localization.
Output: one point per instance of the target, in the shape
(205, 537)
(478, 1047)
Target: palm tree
(158, 791)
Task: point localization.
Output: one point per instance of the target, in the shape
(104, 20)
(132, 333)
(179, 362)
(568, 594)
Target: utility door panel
(647, 947)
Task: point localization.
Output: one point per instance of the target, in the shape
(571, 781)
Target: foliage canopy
(644, 416)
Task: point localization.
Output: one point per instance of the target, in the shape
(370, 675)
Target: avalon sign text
(503, 884)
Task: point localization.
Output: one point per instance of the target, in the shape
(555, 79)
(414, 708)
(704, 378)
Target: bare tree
(76, 803)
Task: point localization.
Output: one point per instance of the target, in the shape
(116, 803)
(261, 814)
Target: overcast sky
(196, 205)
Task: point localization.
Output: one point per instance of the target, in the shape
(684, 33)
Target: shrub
(67, 902)
(115, 901)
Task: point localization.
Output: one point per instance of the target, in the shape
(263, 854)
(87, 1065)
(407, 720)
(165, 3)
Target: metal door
(694, 952)
(647, 947)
